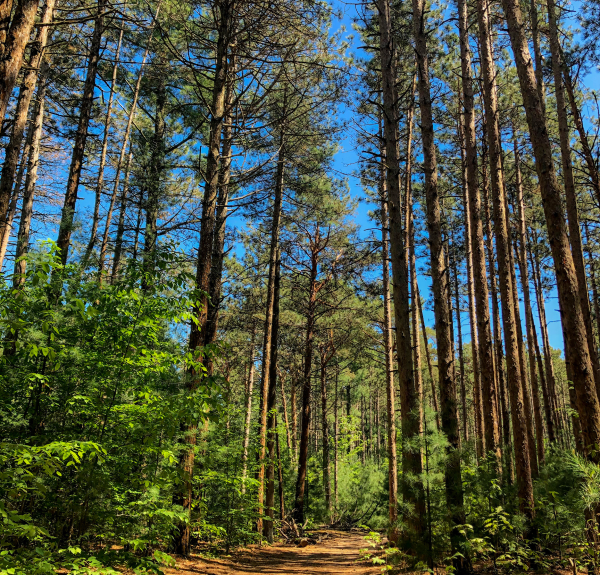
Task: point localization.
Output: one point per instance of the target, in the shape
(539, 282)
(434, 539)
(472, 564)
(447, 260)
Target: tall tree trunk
(434, 398)
(223, 8)
(527, 404)
(5, 14)
(477, 403)
(389, 361)
(85, 114)
(155, 174)
(102, 165)
(570, 192)
(271, 413)
(593, 284)
(267, 347)
(475, 227)
(29, 192)
(218, 256)
(461, 360)
(13, 47)
(118, 252)
(325, 431)
(537, 51)
(530, 326)
(298, 512)
(588, 405)
(499, 356)
(113, 197)
(590, 161)
(11, 153)
(248, 420)
(523, 464)
(548, 364)
(412, 490)
(414, 304)
(439, 277)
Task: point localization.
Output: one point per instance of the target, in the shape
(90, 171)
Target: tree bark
(475, 227)
(13, 47)
(507, 288)
(499, 356)
(267, 346)
(588, 405)
(590, 161)
(412, 490)
(11, 153)
(439, 277)
(524, 272)
(271, 413)
(248, 420)
(85, 114)
(388, 340)
(298, 511)
(155, 174)
(29, 192)
(113, 197)
(102, 165)
(570, 192)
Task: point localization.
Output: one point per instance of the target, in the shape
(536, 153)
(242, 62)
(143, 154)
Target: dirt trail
(337, 554)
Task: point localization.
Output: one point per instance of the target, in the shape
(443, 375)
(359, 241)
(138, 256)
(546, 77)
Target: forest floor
(337, 554)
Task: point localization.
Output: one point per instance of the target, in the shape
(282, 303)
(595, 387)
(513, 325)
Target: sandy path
(336, 554)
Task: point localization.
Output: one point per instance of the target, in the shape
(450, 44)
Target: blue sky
(346, 162)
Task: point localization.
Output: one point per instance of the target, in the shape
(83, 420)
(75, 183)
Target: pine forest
(299, 286)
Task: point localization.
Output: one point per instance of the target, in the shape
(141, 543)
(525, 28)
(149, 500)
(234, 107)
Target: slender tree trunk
(537, 51)
(523, 464)
(285, 413)
(218, 256)
(414, 308)
(389, 360)
(593, 284)
(248, 420)
(588, 405)
(439, 277)
(101, 167)
(280, 477)
(527, 404)
(29, 192)
(131, 116)
(298, 512)
(477, 403)
(325, 431)
(524, 272)
(85, 114)
(335, 441)
(463, 390)
(11, 153)
(590, 161)
(506, 435)
(475, 227)
(294, 403)
(13, 47)
(412, 491)
(267, 346)
(121, 223)
(570, 192)
(549, 366)
(429, 362)
(207, 225)
(271, 413)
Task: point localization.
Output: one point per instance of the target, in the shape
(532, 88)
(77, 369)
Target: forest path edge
(336, 554)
